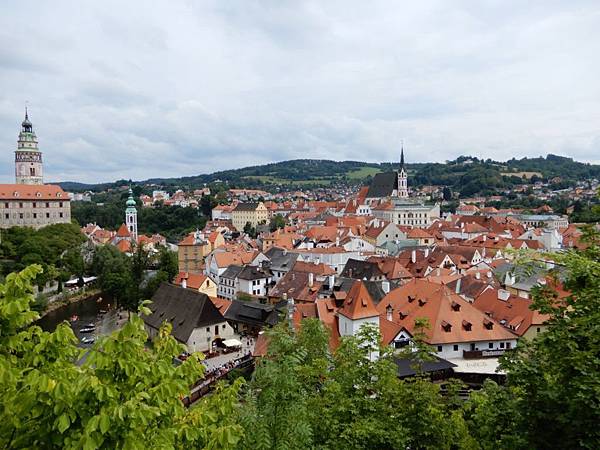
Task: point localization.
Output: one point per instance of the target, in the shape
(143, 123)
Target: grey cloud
(137, 90)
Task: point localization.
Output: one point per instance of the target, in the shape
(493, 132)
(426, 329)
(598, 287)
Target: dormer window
(422, 302)
(446, 326)
(38, 194)
(402, 316)
(455, 306)
(411, 299)
(466, 325)
(15, 194)
(488, 324)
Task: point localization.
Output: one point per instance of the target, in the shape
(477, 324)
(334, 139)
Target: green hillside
(467, 175)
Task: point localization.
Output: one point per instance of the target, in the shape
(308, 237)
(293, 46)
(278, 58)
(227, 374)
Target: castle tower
(131, 217)
(28, 158)
(402, 177)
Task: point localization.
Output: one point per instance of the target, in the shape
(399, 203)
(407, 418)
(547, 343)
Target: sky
(138, 89)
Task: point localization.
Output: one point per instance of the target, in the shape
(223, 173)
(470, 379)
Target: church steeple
(402, 156)
(402, 176)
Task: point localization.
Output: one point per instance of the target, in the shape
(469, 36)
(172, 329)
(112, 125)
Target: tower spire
(402, 154)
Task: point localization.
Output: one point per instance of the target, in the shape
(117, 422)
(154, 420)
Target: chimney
(478, 275)
(331, 281)
(337, 241)
(413, 256)
(484, 237)
(458, 282)
(489, 274)
(311, 279)
(385, 286)
(426, 252)
(503, 295)
(184, 283)
(389, 311)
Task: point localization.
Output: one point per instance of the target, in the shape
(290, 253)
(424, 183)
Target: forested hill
(467, 174)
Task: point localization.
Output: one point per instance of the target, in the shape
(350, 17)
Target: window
(7, 205)
(60, 214)
(6, 216)
(60, 204)
(47, 215)
(501, 344)
(508, 345)
(208, 329)
(491, 345)
(20, 215)
(455, 347)
(439, 349)
(539, 329)
(34, 204)
(20, 204)
(35, 215)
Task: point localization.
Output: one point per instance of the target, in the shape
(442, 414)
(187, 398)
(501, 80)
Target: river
(94, 310)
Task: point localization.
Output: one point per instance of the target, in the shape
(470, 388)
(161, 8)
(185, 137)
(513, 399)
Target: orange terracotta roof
(222, 304)
(124, 246)
(320, 269)
(123, 232)
(451, 319)
(17, 192)
(358, 303)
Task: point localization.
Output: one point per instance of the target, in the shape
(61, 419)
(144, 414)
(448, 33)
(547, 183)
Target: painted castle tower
(28, 158)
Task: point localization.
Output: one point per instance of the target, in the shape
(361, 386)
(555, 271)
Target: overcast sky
(139, 88)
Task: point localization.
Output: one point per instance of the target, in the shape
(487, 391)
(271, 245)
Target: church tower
(131, 217)
(402, 177)
(28, 158)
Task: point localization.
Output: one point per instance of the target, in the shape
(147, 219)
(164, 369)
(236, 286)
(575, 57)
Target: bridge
(206, 384)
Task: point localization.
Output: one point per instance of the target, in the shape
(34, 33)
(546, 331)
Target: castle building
(389, 200)
(29, 202)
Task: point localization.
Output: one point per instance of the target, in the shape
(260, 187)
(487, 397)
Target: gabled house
(196, 321)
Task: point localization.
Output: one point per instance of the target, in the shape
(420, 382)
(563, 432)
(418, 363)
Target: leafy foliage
(122, 395)
(57, 248)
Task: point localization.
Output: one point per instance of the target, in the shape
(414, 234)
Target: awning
(483, 366)
(232, 343)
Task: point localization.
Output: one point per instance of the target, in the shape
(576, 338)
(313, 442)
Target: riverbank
(68, 299)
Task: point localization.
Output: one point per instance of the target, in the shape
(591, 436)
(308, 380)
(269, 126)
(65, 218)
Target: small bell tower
(131, 217)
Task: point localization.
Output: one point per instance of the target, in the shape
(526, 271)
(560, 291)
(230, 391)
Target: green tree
(552, 396)
(124, 395)
(277, 222)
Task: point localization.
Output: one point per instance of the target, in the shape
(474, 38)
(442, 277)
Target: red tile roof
(358, 303)
(32, 192)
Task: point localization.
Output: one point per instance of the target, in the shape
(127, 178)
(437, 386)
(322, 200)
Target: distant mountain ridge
(466, 173)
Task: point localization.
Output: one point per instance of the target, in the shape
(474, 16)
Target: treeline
(467, 175)
(56, 248)
(108, 211)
